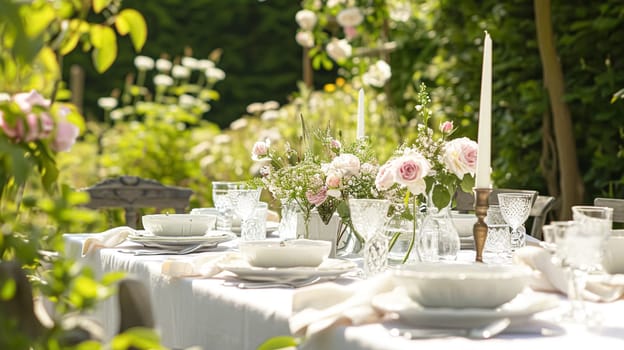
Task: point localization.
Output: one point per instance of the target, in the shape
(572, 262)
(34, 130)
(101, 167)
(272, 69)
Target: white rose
(163, 65)
(305, 38)
(306, 19)
(347, 163)
(338, 49)
(143, 63)
(377, 74)
(460, 156)
(350, 17)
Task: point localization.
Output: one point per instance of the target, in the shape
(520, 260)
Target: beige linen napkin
(323, 306)
(106, 239)
(552, 278)
(204, 265)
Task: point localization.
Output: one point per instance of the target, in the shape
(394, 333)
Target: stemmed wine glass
(244, 203)
(515, 209)
(369, 217)
(223, 203)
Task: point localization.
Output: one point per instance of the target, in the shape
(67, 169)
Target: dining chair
(541, 207)
(615, 203)
(135, 307)
(134, 193)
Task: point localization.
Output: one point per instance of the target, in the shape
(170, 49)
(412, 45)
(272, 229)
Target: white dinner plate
(518, 310)
(329, 268)
(212, 238)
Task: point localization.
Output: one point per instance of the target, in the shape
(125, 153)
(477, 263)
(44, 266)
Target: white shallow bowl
(179, 224)
(613, 257)
(456, 285)
(464, 222)
(289, 253)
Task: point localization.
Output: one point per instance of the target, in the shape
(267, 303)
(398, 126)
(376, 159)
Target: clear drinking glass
(244, 203)
(369, 217)
(497, 247)
(515, 209)
(223, 202)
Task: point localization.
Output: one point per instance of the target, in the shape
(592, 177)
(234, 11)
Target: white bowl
(456, 285)
(464, 222)
(179, 224)
(289, 253)
(613, 258)
(205, 211)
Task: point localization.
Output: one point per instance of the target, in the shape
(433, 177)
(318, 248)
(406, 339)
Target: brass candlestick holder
(480, 229)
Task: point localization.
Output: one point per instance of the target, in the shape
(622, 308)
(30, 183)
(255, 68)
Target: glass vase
(402, 230)
(438, 239)
(287, 228)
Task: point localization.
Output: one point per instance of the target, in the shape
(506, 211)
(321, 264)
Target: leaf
(8, 289)
(113, 277)
(279, 342)
(467, 183)
(74, 33)
(99, 5)
(104, 47)
(130, 21)
(441, 197)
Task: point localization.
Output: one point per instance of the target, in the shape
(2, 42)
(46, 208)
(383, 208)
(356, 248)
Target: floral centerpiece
(430, 168)
(322, 178)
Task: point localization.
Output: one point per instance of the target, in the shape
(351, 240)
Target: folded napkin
(550, 277)
(204, 265)
(319, 307)
(106, 239)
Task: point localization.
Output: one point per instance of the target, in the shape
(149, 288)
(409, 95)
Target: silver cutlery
(482, 332)
(187, 250)
(279, 284)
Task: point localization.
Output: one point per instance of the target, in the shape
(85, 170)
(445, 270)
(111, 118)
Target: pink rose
(33, 127)
(259, 150)
(66, 134)
(47, 125)
(410, 170)
(350, 32)
(446, 127)
(317, 198)
(14, 132)
(333, 180)
(385, 176)
(335, 145)
(460, 156)
(26, 100)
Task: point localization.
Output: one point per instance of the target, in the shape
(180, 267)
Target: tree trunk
(570, 182)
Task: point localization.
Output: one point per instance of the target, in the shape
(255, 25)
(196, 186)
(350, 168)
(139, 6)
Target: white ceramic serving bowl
(464, 222)
(179, 224)
(289, 253)
(613, 258)
(456, 285)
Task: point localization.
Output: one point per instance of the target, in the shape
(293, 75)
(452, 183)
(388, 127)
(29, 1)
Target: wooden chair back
(133, 193)
(615, 203)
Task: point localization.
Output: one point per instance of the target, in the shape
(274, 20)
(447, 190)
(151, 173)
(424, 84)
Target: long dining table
(213, 313)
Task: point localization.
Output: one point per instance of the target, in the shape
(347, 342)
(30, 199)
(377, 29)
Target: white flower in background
(350, 17)
(239, 123)
(270, 105)
(347, 164)
(305, 38)
(256, 107)
(190, 62)
(117, 114)
(334, 3)
(143, 63)
(163, 65)
(306, 19)
(163, 80)
(222, 139)
(214, 73)
(400, 11)
(107, 103)
(180, 72)
(4, 97)
(269, 115)
(186, 101)
(205, 64)
(377, 74)
(338, 49)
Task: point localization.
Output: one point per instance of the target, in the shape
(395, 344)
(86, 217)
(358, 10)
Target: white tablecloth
(209, 314)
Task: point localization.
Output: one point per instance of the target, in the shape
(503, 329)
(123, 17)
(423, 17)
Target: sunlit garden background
(184, 100)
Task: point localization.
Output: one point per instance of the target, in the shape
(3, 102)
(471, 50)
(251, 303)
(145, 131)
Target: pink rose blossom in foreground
(385, 176)
(317, 198)
(27, 100)
(66, 134)
(446, 127)
(410, 170)
(259, 150)
(460, 156)
(14, 132)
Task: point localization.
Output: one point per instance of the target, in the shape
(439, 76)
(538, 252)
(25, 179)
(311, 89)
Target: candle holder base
(480, 229)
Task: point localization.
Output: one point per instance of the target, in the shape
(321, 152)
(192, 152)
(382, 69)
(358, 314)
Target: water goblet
(244, 203)
(515, 209)
(369, 216)
(223, 202)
